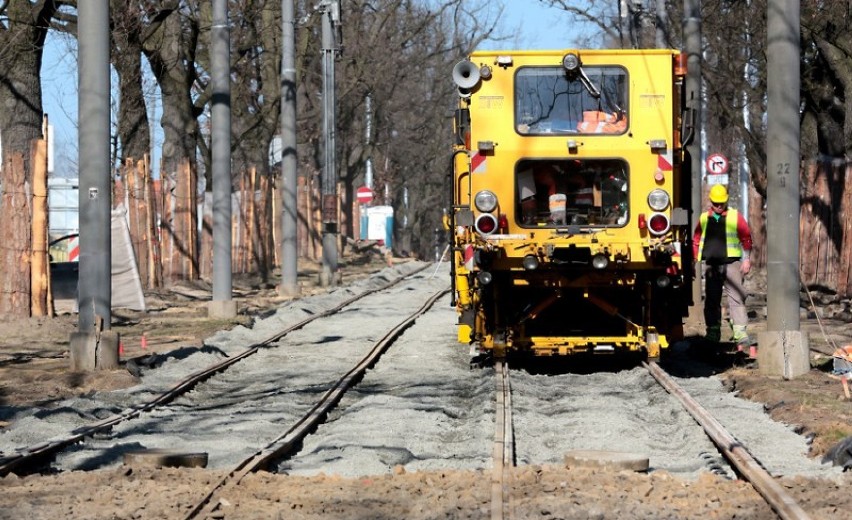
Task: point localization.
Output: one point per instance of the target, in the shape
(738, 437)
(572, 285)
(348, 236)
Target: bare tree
(23, 30)
(827, 76)
(132, 22)
(171, 49)
(606, 15)
(401, 53)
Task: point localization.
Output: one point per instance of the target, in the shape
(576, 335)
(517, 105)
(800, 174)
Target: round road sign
(364, 194)
(717, 164)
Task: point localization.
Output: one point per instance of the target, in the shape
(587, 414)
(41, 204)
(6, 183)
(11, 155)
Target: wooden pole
(241, 248)
(303, 216)
(154, 269)
(168, 227)
(276, 210)
(844, 278)
(40, 266)
(250, 234)
(131, 181)
(266, 222)
(189, 230)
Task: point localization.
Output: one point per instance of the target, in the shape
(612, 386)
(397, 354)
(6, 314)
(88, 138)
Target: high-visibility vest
(601, 123)
(732, 239)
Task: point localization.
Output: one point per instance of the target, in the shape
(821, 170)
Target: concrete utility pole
(330, 22)
(661, 24)
(222, 305)
(748, 76)
(289, 160)
(624, 25)
(692, 42)
(783, 347)
(94, 345)
(368, 130)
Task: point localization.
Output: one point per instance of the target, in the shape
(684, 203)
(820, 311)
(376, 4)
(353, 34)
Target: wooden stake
(40, 266)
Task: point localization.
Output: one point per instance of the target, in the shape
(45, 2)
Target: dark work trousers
(727, 278)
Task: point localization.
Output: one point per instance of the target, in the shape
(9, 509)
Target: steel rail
(38, 452)
(781, 502)
(285, 444)
(503, 453)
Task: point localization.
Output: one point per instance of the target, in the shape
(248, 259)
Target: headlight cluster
(658, 222)
(486, 202)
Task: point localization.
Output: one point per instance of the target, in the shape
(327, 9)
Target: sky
(59, 97)
(537, 26)
(534, 27)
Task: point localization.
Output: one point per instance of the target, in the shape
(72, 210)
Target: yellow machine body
(570, 207)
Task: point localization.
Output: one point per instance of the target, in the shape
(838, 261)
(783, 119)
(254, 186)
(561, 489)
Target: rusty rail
(285, 444)
(733, 450)
(504, 445)
(33, 454)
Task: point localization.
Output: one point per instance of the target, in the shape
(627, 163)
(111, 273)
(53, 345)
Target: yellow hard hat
(719, 194)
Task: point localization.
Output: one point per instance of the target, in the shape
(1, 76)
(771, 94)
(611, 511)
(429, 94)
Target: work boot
(714, 333)
(740, 337)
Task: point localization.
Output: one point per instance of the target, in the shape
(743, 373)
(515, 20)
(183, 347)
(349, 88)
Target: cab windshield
(587, 192)
(550, 100)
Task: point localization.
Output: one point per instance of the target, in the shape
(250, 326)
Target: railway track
(287, 442)
(504, 445)
(333, 407)
(30, 458)
(746, 466)
(733, 450)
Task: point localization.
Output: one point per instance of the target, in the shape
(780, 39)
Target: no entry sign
(364, 194)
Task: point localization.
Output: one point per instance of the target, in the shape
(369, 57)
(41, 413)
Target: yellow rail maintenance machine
(570, 215)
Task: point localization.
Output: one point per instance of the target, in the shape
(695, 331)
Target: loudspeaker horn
(465, 74)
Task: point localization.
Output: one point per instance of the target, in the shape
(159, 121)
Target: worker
(722, 240)
(538, 190)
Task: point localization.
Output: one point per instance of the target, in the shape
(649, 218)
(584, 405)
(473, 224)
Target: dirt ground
(34, 370)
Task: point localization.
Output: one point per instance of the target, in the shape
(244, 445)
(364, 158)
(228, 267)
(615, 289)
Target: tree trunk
(22, 36)
(134, 131)
(16, 229)
(170, 51)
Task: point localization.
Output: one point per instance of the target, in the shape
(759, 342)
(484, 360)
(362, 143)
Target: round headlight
(658, 200)
(485, 201)
(600, 261)
(571, 61)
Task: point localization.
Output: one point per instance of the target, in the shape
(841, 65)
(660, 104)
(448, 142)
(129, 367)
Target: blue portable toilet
(377, 224)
